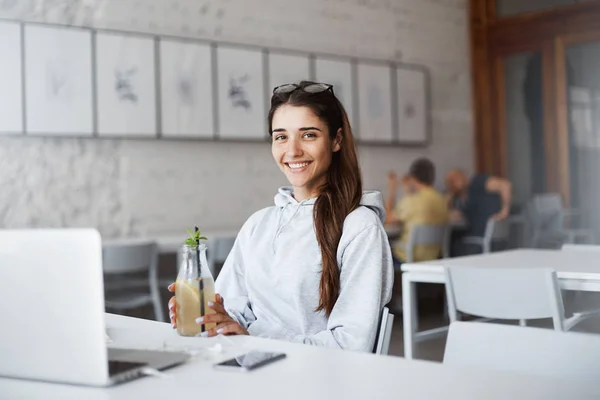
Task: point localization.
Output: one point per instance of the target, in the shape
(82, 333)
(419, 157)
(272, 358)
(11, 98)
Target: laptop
(52, 312)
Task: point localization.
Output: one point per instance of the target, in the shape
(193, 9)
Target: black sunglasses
(311, 88)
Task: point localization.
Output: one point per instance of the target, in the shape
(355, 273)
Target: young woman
(316, 268)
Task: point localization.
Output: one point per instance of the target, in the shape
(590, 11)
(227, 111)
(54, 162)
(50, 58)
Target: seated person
(421, 204)
(316, 267)
(478, 200)
(475, 202)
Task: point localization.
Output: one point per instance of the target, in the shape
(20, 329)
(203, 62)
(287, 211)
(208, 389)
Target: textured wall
(131, 187)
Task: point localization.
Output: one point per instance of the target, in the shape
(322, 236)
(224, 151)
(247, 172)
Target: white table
(306, 373)
(576, 270)
(170, 243)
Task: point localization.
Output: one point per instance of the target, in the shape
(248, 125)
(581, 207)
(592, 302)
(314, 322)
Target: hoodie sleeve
(366, 281)
(231, 282)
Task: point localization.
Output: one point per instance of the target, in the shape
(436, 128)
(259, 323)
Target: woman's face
(302, 148)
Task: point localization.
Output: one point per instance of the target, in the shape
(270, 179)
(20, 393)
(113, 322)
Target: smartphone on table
(249, 361)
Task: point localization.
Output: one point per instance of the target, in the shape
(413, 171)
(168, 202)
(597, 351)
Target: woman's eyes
(306, 135)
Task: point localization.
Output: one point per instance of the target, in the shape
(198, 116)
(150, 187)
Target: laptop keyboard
(117, 367)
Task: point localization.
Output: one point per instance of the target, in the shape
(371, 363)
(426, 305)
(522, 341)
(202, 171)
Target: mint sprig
(194, 239)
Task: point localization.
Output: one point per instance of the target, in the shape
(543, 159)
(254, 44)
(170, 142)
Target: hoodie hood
(370, 198)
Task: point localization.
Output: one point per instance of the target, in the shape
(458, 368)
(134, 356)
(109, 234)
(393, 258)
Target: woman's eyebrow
(309, 128)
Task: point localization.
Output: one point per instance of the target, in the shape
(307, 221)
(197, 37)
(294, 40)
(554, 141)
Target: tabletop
(567, 264)
(307, 373)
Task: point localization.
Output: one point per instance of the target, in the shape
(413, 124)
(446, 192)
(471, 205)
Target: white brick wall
(129, 187)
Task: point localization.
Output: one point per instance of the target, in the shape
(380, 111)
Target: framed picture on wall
(241, 93)
(374, 103)
(338, 72)
(126, 85)
(11, 95)
(58, 74)
(412, 105)
(186, 89)
(287, 68)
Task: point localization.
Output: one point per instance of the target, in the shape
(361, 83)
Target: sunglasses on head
(311, 88)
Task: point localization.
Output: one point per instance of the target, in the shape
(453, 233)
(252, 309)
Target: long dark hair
(342, 191)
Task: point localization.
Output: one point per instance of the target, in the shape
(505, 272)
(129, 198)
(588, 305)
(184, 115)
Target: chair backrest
(505, 293)
(382, 345)
(131, 257)
(525, 350)
(219, 251)
(222, 249)
(497, 230)
(426, 234)
(546, 211)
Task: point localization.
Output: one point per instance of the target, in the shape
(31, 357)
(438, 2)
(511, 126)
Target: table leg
(409, 314)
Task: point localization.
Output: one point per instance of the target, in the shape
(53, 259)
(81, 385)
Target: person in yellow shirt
(421, 204)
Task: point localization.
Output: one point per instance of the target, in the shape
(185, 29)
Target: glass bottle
(194, 288)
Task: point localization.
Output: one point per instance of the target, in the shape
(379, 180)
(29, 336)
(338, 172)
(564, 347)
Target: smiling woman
(316, 268)
(302, 148)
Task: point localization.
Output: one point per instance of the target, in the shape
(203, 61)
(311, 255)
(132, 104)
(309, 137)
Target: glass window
(524, 125)
(583, 91)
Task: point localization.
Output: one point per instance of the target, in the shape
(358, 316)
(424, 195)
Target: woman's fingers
(231, 328)
(218, 307)
(173, 311)
(220, 299)
(214, 318)
(171, 287)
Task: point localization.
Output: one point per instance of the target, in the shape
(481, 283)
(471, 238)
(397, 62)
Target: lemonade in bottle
(194, 288)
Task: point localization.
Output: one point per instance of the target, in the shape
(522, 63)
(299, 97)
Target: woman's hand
(502, 214)
(172, 307)
(225, 324)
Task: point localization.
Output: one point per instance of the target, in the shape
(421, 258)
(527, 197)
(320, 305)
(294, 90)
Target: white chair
(119, 262)
(382, 345)
(426, 234)
(218, 251)
(548, 222)
(495, 231)
(532, 351)
(580, 300)
(508, 293)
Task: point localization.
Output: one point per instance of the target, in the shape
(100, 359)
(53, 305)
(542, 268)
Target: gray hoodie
(270, 281)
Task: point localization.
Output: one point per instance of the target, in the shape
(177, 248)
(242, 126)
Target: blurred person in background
(473, 202)
(421, 204)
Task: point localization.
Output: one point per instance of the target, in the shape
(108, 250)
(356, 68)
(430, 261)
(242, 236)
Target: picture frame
(186, 82)
(339, 73)
(126, 85)
(412, 105)
(241, 93)
(58, 73)
(11, 78)
(375, 119)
